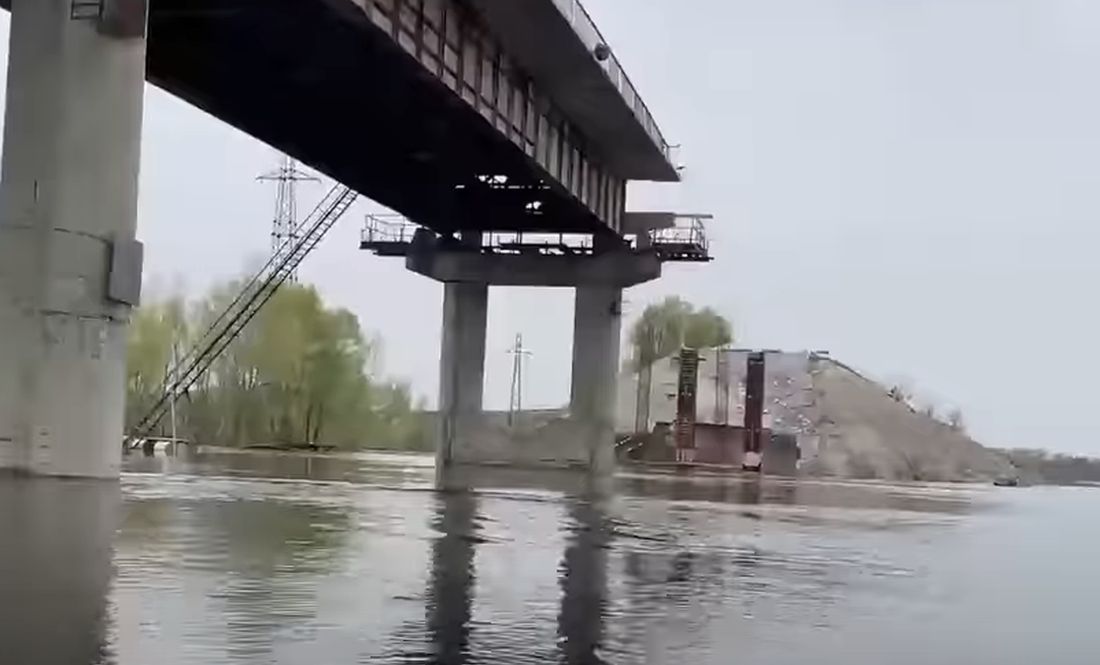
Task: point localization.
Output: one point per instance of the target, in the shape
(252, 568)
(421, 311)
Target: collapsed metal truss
(252, 297)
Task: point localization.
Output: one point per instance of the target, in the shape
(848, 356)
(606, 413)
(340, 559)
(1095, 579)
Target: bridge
(501, 132)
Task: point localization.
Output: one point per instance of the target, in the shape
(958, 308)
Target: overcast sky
(912, 185)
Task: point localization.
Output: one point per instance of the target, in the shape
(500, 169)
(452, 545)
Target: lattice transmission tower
(284, 225)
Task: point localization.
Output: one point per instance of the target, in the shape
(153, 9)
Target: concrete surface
(582, 437)
(562, 443)
(623, 268)
(461, 366)
(597, 327)
(536, 439)
(68, 192)
(586, 435)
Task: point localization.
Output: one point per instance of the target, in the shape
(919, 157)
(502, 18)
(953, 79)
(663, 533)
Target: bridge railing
(686, 231)
(685, 240)
(590, 35)
(564, 243)
(388, 228)
(391, 229)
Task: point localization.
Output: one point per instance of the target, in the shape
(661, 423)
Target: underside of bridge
(318, 80)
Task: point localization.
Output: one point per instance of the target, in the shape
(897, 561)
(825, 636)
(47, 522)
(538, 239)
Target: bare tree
(955, 420)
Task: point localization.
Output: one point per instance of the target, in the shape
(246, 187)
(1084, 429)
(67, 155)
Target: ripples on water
(247, 559)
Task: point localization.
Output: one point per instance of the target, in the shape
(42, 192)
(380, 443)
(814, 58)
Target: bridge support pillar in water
(461, 368)
(597, 325)
(585, 437)
(70, 267)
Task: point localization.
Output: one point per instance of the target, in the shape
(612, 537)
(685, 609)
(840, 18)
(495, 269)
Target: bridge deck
(556, 41)
(414, 105)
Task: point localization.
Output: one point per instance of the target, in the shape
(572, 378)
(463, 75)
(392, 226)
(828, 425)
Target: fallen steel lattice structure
(252, 297)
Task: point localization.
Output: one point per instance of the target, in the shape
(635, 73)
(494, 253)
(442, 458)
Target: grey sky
(908, 184)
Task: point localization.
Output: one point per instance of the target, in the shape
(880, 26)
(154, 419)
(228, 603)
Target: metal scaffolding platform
(684, 241)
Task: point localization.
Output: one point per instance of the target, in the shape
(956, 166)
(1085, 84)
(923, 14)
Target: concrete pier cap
(620, 267)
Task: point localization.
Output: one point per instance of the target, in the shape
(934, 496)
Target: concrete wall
(719, 444)
(539, 438)
(528, 418)
(789, 396)
(723, 445)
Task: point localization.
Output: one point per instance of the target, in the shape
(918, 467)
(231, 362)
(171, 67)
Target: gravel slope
(867, 434)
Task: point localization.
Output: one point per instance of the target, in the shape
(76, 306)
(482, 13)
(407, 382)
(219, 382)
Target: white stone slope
(865, 433)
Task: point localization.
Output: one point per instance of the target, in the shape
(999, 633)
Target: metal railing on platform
(590, 35)
(388, 229)
(687, 231)
(393, 232)
(685, 240)
(540, 243)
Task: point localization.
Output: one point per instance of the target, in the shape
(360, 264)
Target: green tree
(667, 326)
(707, 329)
(297, 374)
(154, 331)
(661, 331)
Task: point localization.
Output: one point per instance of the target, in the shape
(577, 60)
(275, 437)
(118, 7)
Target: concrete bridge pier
(583, 439)
(597, 327)
(586, 438)
(70, 268)
(461, 367)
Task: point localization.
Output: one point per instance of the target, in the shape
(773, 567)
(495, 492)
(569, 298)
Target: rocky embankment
(865, 433)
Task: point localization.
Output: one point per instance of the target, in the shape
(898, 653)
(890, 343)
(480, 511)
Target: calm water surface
(237, 559)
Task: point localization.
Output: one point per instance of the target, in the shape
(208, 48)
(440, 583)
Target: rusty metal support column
(754, 411)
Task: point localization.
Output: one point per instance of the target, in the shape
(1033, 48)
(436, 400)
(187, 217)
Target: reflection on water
(450, 593)
(235, 559)
(55, 570)
(584, 581)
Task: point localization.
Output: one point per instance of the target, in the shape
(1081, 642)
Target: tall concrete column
(68, 259)
(461, 368)
(597, 324)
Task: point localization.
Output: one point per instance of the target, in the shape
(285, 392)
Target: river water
(234, 558)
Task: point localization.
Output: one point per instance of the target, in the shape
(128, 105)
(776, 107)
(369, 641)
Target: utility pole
(175, 375)
(284, 225)
(515, 400)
